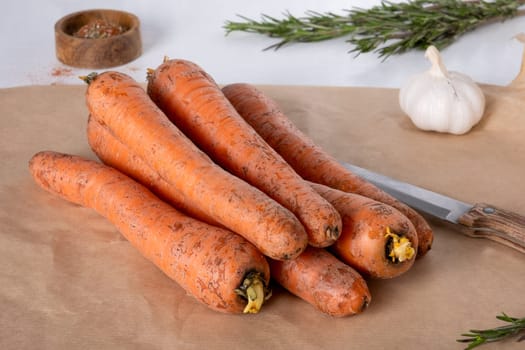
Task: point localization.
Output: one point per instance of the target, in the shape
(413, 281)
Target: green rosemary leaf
(476, 337)
(388, 28)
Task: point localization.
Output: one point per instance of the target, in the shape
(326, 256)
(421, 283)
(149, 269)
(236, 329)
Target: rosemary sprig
(314, 27)
(388, 28)
(477, 337)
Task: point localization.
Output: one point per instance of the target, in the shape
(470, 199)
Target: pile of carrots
(221, 191)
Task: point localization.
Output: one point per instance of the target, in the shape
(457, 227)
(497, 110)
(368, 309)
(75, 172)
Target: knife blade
(480, 220)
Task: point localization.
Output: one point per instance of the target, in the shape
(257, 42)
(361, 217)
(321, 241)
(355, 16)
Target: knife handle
(487, 221)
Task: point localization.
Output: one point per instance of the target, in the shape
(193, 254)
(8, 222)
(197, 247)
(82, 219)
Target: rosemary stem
(388, 28)
(476, 337)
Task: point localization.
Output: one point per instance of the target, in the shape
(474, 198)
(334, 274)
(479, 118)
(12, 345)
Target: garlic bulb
(440, 100)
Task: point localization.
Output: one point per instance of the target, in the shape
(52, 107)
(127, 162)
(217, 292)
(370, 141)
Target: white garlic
(440, 100)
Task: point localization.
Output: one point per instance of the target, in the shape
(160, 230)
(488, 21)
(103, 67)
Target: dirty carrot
(121, 104)
(214, 265)
(114, 153)
(193, 101)
(325, 282)
(377, 240)
(344, 285)
(307, 158)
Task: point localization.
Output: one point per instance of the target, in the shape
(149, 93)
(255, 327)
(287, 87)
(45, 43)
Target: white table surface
(193, 30)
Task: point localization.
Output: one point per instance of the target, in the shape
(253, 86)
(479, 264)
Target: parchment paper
(68, 280)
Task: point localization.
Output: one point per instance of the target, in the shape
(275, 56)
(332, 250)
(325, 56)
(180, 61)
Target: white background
(193, 30)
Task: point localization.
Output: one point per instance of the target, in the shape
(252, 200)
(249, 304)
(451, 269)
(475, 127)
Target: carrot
(328, 284)
(114, 153)
(377, 240)
(194, 102)
(307, 158)
(119, 103)
(344, 285)
(212, 264)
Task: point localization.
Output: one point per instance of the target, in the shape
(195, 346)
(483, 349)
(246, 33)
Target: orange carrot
(344, 286)
(364, 242)
(194, 102)
(377, 240)
(114, 153)
(121, 104)
(328, 284)
(212, 264)
(307, 158)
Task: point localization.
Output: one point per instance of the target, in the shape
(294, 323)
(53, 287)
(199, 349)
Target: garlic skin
(443, 101)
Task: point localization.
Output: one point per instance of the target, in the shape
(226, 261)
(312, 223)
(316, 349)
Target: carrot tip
(332, 233)
(149, 73)
(399, 247)
(88, 79)
(253, 289)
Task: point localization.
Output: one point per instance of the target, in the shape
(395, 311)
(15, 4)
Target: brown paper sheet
(68, 280)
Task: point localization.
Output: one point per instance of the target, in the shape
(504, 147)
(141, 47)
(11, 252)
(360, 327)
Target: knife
(478, 220)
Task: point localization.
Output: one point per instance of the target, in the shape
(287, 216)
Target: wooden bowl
(102, 52)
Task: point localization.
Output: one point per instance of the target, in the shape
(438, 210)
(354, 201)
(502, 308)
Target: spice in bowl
(99, 38)
(99, 29)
